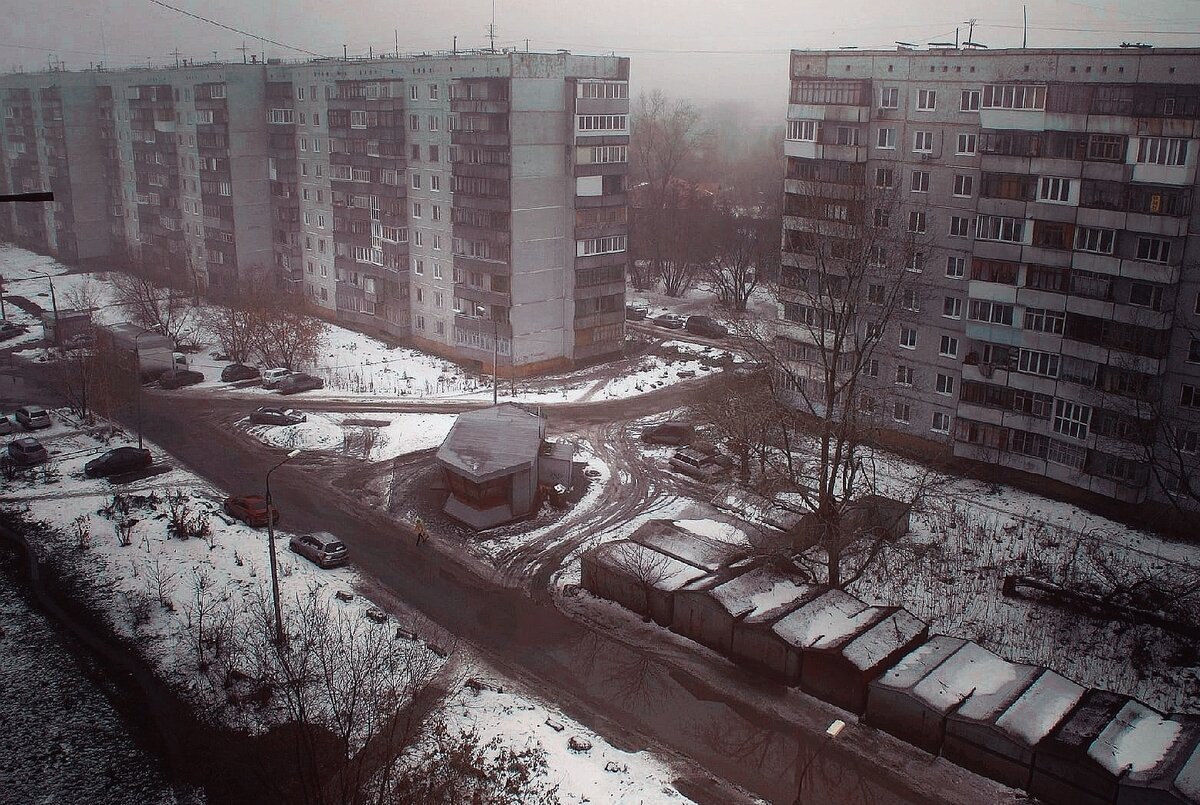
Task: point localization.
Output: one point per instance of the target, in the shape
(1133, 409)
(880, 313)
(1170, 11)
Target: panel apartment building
(473, 203)
(1051, 192)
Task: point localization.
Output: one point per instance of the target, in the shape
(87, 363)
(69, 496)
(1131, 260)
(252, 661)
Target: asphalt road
(715, 721)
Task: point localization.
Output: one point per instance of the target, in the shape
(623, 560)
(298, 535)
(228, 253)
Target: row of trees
(700, 221)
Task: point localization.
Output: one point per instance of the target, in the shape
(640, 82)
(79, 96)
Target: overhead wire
(259, 37)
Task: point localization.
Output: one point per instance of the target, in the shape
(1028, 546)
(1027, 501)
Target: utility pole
(345, 55)
(492, 28)
(243, 49)
(175, 53)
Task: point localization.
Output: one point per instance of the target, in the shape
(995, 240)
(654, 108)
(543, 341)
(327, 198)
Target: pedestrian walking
(422, 534)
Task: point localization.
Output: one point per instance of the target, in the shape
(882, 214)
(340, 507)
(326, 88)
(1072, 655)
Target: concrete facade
(471, 202)
(1050, 197)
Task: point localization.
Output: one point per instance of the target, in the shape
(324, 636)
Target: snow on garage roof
(970, 671)
(868, 648)
(826, 621)
(492, 442)
(684, 545)
(761, 593)
(660, 571)
(1040, 708)
(1138, 738)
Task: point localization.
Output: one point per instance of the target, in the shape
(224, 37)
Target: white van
(271, 377)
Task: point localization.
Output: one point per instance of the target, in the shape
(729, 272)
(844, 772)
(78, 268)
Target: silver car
(321, 548)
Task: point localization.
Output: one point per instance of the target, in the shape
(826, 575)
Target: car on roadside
(27, 451)
(676, 434)
(672, 321)
(276, 416)
(117, 461)
(250, 509)
(700, 463)
(7, 425)
(634, 313)
(299, 381)
(9, 330)
(321, 548)
(271, 378)
(705, 327)
(178, 378)
(238, 371)
(33, 417)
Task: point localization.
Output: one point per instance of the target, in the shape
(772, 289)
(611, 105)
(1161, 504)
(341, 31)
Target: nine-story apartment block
(1051, 197)
(471, 202)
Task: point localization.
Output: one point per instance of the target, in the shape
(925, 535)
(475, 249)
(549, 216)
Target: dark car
(321, 548)
(9, 330)
(27, 452)
(238, 371)
(178, 378)
(672, 433)
(705, 327)
(276, 416)
(635, 313)
(300, 381)
(118, 460)
(672, 321)
(700, 463)
(32, 417)
(250, 509)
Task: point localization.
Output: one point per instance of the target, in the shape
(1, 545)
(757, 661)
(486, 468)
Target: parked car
(27, 451)
(250, 509)
(299, 381)
(9, 330)
(272, 377)
(33, 417)
(178, 378)
(672, 433)
(276, 416)
(705, 326)
(701, 464)
(238, 371)
(118, 460)
(7, 425)
(672, 321)
(634, 313)
(321, 548)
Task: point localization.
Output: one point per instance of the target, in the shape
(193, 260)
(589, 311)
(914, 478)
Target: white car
(272, 377)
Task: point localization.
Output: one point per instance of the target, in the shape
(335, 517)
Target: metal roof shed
(706, 609)
(753, 641)
(686, 546)
(822, 621)
(638, 578)
(839, 669)
(1062, 768)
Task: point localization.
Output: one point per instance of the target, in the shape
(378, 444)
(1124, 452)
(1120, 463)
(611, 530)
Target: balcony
(485, 106)
(480, 138)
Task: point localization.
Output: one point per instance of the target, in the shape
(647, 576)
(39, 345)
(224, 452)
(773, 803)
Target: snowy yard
(155, 588)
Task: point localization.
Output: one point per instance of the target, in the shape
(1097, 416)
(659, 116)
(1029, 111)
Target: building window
(956, 268)
(802, 130)
(911, 301)
(963, 185)
(416, 209)
(418, 268)
(920, 181)
(889, 98)
(969, 101)
(883, 219)
(433, 123)
(1040, 320)
(414, 92)
(875, 294)
(1054, 189)
(885, 178)
(433, 92)
(908, 337)
(1142, 294)
(1189, 396)
(1071, 419)
(416, 181)
(990, 312)
(848, 135)
(1068, 455)
(926, 100)
(1154, 250)
(601, 122)
(960, 227)
(952, 307)
(923, 142)
(1000, 228)
(414, 122)
(948, 347)
(436, 212)
(358, 119)
(1162, 150)
(1032, 362)
(1098, 241)
(870, 368)
(966, 145)
(606, 245)
(941, 422)
(902, 412)
(904, 375)
(916, 222)
(1014, 96)
(945, 384)
(1194, 352)
(885, 138)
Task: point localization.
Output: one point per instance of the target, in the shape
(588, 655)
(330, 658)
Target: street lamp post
(137, 374)
(53, 299)
(280, 638)
(831, 732)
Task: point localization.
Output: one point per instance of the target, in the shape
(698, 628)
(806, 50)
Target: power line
(235, 30)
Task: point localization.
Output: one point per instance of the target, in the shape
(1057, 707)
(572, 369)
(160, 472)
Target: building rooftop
(492, 442)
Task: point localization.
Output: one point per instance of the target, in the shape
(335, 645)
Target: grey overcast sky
(706, 50)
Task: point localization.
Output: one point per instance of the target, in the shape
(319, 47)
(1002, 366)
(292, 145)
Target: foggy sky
(700, 49)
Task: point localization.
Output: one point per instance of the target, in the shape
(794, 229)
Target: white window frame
(926, 100)
(922, 142)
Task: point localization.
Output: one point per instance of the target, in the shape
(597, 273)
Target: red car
(250, 509)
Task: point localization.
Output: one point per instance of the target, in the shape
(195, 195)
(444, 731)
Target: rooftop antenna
(970, 30)
(243, 49)
(492, 28)
(175, 53)
(1024, 26)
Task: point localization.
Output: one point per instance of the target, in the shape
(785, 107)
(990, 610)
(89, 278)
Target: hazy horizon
(707, 52)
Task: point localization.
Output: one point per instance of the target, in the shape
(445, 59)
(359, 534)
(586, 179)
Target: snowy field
(153, 586)
(357, 366)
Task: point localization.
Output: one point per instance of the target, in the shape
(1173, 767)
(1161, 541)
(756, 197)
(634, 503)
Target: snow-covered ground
(150, 585)
(376, 437)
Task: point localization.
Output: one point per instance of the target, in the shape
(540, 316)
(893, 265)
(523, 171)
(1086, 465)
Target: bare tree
(286, 333)
(151, 302)
(854, 279)
(744, 251)
(663, 142)
(233, 327)
(647, 567)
